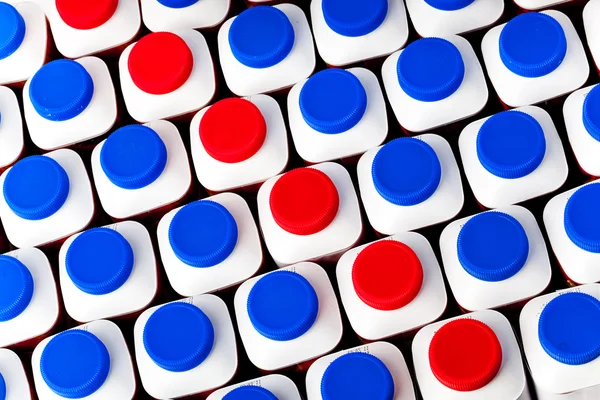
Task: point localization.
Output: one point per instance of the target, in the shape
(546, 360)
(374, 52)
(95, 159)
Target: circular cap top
(178, 336)
(86, 14)
(160, 63)
(389, 171)
(511, 144)
(282, 305)
(492, 246)
(354, 17)
(232, 130)
(387, 275)
(12, 30)
(74, 364)
(177, 3)
(36, 187)
(16, 288)
(2, 388)
(591, 112)
(304, 201)
(465, 355)
(203, 234)
(430, 69)
(357, 376)
(449, 5)
(99, 261)
(569, 328)
(333, 101)
(532, 44)
(61, 90)
(250, 393)
(133, 157)
(261, 37)
(582, 217)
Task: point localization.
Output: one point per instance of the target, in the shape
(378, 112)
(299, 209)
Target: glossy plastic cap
(86, 15)
(354, 17)
(250, 393)
(582, 218)
(16, 288)
(12, 30)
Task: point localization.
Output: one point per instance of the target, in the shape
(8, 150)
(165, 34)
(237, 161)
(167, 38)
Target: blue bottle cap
(357, 376)
(36, 187)
(492, 246)
(354, 17)
(12, 30)
(333, 101)
(569, 328)
(582, 217)
(203, 234)
(532, 44)
(74, 364)
(61, 90)
(282, 305)
(511, 144)
(449, 5)
(2, 388)
(177, 3)
(389, 171)
(133, 157)
(591, 113)
(430, 69)
(99, 261)
(178, 336)
(250, 393)
(261, 37)
(16, 288)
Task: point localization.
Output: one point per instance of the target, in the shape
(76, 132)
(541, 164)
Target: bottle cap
(250, 393)
(86, 14)
(16, 288)
(354, 17)
(582, 218)
(12, 30)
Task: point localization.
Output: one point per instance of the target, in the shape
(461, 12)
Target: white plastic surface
(41, 314)
(120, 382)
(11, 369)
(73, 43)
(420, 116)
(508, 384)
(552, 379)
(11, 127)
(517, 91)
(97, 118)
(194, 94)
(280, 386)
(385, 352)
(532, 5)
(474, 294)
(134, 295)
(315, 147)
(200, 15)
(373, 324)
(269, 161)
(585, 147)
(492, 191)
(340, 50)
(322, 337)
(342, 233)
(388, 218)
(74, 215)
(243, 262)
(170, 187)
(299, 63)
(430, 21)
(592, 28)
(31, 54)
(215, 371)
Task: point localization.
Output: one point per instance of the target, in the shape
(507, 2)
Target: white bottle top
(305, 325)
(269, 387)
(65, 203)
(391, 286)
(513, 156)
(170, 15)
(16, 384)
(185, 347)
(322, 232)
(11, 128)
(27, 42)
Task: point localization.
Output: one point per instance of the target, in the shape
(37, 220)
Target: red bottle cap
(387, 275)
(160, 63)
(304, 201)
(86, 14)
(465, 354)
(232, 130)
